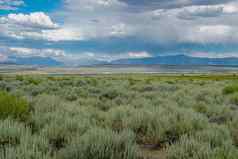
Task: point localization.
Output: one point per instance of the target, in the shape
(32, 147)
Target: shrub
(230, 89)
(215, 135)
(34, 90)
(188, 148)
(201, 107)
(33, 80)
(78, 117)
(11, 132)
(46, 103)
(7, 86)
(62, 129)
(71, 95)
(101, 144)
(31, 147)
(213, 143)
(234, 99)
(233, 126)
(12, 106)
(157, 125)
(110, 94)
(20, 78)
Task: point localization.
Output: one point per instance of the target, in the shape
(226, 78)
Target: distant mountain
(85, 62)
(36, 60)
(178, 60)
(160, 60)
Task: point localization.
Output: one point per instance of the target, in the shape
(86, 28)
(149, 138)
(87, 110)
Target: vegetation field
(119, 117)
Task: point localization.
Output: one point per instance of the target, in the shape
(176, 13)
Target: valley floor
(122, 116)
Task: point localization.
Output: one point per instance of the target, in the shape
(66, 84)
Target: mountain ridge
(32, 61)
(178, 60)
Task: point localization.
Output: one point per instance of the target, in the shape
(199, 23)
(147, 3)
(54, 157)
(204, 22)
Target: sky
(81, 31)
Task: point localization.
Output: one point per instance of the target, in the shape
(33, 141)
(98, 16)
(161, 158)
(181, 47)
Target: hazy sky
(81, 30)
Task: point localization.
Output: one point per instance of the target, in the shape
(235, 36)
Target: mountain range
(178, 60)
(158, 60)
(33, 61)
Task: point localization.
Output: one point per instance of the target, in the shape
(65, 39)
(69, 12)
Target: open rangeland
(119, 117)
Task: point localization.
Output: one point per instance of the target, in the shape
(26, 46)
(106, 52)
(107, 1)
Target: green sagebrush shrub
(12, 106)
(213, 143)
(100, 143)
(230, 89)
(233, 126)
(234, 99)
(11, 132)
(33, 80)
(156, 126)
(16, 141)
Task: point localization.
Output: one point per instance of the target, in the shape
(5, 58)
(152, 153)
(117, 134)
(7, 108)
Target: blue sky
(75, 31)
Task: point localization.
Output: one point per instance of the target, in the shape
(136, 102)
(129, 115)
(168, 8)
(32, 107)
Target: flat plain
(119, 116)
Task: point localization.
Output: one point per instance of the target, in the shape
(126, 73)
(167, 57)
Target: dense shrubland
(118, 117)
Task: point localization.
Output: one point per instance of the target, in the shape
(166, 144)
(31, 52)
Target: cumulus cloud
(57, 35)
(142, 54)
(211, 34)
(63, 34)
(96, 18)
(7, 53)
(214, 54)
(169, 4)
(67, 57)
(113, 18)
(35, 20)
(26, 52)
(3, 57)
(200, 11)
(230, 7)
(93, 5)
(10, 4)
(158, 21)
(161, 23)
(119, 30)
(36, 26)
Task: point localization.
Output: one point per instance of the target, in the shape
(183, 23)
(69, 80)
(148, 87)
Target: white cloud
(11, 4)
(27, 52)
(98, 19)
(142, 54)
(38, 26)
(3, 57)
(63, 34)
(35, 20)
(200, 11)
(57, 35)
(93, 5)
(107, 2)
(214, 54)
(230, 7)
(211, 34)
(83, 57)
(163, 26)
(68, 58)
(215, 29)
(7, 53)
(119, 30)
